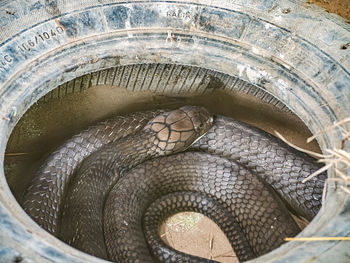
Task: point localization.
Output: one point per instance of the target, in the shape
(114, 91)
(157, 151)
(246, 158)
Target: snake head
(176, 130)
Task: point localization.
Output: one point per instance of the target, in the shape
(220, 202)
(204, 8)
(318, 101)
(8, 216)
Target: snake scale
(107, 189)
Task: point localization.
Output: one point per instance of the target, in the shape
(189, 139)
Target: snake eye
(199, 127)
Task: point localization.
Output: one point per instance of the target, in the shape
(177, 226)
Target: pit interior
(86, 100)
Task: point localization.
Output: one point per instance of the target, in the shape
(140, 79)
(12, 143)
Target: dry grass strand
(328, 129)
(317, 155)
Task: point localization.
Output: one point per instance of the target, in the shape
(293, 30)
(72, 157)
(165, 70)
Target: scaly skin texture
(43, 198)
(261, 217)
(198, 202)
(276, 163)
(167, 133)
(252, 149)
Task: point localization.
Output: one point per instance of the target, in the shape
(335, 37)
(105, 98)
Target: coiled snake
(105, 192)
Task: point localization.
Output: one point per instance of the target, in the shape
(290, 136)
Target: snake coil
(104, 190)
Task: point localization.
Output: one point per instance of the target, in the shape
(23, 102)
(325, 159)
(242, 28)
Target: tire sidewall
(294, 55)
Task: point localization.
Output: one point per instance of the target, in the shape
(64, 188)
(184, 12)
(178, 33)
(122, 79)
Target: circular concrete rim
(254, 50)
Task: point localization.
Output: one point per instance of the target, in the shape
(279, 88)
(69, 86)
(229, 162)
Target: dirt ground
(195, 234)
(198, 235)
(340, 7)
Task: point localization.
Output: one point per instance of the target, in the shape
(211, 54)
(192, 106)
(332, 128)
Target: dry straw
(336, 158)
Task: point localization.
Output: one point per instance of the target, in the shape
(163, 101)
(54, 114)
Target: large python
(243, 178)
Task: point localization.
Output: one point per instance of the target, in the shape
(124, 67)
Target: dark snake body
(241, 146)
(261, 221)
(167, 133)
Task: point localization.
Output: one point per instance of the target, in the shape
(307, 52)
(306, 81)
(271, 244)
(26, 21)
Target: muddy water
(48, 123)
